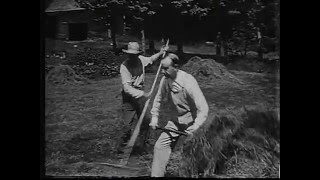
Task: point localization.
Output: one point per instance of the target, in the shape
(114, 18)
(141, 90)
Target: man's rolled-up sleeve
(199, 100)
(149, 60)
(127, 84)
(156, 102)
(146, 60)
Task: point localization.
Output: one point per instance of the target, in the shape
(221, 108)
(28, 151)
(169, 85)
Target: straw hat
(133, 48)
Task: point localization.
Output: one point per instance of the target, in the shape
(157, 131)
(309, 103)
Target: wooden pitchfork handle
(155, 80)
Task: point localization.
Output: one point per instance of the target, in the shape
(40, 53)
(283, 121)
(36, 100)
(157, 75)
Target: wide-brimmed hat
(133, 48)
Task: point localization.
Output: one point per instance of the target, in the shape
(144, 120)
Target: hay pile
(94, 62)
(208, 70)
(243, 142)
(64, 74)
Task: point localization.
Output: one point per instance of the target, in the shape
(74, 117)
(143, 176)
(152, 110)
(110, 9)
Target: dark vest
(135, 68)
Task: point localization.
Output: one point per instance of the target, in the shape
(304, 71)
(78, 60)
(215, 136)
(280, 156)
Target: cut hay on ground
(64, 74)
(243, 142)
(208, 70)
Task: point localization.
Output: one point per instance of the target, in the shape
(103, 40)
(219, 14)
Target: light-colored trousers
(162, 150)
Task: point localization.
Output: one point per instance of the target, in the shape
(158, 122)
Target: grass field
(82, 121)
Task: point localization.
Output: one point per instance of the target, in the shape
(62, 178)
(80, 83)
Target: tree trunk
(218, 50)
(113, 29)
(109, 33)
(149, 32)
(180, 46)
(225, 48)
(179, 34)
(151, 45)
(143, 41)
(113, 37)
(245, 48)
(218, 44)
(260, 53)
(277, 20)
(179, 40)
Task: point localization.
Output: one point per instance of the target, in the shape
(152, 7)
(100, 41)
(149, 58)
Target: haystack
(64, 74)
(208, 70)
(243, 142)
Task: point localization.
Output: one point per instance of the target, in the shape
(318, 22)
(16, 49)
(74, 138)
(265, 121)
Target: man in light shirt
(183, 90)
(133, 95)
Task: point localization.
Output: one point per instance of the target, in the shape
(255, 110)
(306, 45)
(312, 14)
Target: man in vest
(133, 95)
(183, 91)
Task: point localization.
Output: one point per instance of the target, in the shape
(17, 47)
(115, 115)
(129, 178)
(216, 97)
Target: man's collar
(179, 78)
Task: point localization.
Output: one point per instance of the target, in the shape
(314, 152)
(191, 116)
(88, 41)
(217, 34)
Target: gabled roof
(63, 5)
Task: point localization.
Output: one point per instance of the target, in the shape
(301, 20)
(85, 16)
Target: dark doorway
(78, 31)
(51, 26)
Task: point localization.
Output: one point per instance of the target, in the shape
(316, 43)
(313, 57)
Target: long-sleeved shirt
(133, 82)
(184, 85)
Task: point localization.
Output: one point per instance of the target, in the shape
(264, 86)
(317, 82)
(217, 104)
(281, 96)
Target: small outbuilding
(65, 19)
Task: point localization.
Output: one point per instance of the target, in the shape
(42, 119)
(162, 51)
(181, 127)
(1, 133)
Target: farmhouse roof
(63, 5)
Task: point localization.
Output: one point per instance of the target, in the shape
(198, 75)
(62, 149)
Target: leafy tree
(237, 20)
(171, 16)
(108, 9)
(183, 10)
(250, 16)
(142, 13)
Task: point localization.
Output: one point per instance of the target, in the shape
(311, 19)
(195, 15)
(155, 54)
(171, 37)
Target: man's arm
(127, 85)
(156, 104)
(149, 60)
(156, 56)
(199, 100)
